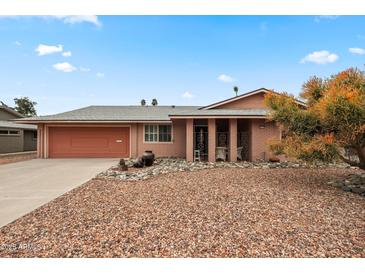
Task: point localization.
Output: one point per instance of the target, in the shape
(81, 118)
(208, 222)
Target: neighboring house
(236, 128)
(15, 137)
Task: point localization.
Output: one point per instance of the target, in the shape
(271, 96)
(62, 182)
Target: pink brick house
(233, 129)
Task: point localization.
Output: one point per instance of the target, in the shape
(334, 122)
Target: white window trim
(158, 128)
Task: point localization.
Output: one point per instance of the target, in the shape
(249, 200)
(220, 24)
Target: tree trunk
(360, 151)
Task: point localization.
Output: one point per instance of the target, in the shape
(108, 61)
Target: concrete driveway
(24, 186)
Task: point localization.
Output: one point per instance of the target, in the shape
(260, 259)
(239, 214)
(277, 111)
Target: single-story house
(236, 128)
(15, 137)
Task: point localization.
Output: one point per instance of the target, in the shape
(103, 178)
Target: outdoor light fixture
(262, 126)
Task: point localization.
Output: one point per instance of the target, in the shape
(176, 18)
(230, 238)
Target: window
(34, 134)
(157, 133)
(9, 132)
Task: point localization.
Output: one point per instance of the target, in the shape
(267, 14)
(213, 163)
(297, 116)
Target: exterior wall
(260, 137)
(253, 101)
(5, 115)
(133, 138)
(30, 143)
(40, 141)
(12, 143)
(177, 148)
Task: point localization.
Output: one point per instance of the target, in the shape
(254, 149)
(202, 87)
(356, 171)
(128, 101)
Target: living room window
(157, 133)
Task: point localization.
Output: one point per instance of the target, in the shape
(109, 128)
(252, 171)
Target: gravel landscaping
(170, 165)
(353, 183)
(208, 213)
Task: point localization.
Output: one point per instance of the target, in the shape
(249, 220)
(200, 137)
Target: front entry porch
(218, 139)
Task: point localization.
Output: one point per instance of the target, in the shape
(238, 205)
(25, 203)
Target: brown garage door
(78, 142)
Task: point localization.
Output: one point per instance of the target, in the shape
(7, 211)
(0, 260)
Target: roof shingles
(141, 113)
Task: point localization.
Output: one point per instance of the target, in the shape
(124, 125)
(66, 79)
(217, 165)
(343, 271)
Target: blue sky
(180, 60)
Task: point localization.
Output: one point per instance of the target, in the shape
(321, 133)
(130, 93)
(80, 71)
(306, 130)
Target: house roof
(247, 94)
(10, 110)
(9, 124)
(116, 113)
(149, 113)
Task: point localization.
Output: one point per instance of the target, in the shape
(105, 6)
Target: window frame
(10, 134)
(157, 133)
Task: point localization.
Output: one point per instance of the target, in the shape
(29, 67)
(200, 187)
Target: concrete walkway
(24, 186)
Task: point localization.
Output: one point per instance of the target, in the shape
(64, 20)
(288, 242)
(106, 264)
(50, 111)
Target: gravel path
(207, 213)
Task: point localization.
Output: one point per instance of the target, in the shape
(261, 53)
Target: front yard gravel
(221, 212)
(170, 165)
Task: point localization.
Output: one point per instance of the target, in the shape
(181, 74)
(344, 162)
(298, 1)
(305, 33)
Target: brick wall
(17, 157)
(261, 132)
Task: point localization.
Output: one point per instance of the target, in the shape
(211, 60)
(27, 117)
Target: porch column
(211, 140)
(189, 140)
(233, 140)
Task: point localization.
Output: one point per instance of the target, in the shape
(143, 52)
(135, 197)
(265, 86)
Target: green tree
(25, 106)
(143, 102)
(154, 102)
(332, 123)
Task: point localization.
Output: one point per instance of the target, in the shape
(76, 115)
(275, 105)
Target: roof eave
(88, 121)
(218, 116)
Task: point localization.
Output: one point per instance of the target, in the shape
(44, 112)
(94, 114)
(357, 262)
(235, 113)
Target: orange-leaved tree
(332, 124)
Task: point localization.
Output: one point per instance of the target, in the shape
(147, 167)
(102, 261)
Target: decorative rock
(358, 190)
(169, 165)
(353, 182)
(346, 188)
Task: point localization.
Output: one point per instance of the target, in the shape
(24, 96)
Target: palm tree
(143, 102)
(235, 89)
(154, 102)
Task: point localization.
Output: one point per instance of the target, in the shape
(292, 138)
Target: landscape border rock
(352, 183)
(169, 165)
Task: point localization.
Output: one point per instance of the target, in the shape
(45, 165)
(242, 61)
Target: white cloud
(358, 51)
(318, 19)
(225, 78)
(187, 95)
(17, 43)
(83, 69)
(74, 19)
(100, 74)
(67, 19)
(66, 53)
(320, 57)
(65, 67)
(46, 49)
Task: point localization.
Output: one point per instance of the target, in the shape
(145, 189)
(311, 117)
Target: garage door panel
(97, 143)
(78, 142)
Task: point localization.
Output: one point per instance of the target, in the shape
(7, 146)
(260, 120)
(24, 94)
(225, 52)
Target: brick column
(189, 140)
(233, 140)
(211, 140)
